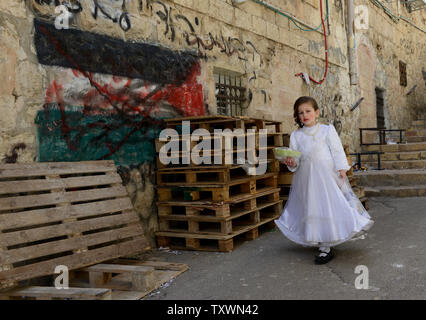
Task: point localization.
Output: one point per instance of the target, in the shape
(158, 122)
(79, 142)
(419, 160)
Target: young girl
(321, 210)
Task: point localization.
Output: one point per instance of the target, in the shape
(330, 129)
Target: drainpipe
(351, 43)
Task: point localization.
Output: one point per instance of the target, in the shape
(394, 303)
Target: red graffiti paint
(188, 97)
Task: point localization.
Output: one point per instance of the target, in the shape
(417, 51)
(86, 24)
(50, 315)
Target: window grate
(230, 94)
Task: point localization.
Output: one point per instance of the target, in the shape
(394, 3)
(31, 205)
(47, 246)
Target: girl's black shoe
(324, 257)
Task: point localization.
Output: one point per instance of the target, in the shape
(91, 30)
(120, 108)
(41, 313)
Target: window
(402, 74)
(230, 93)
(380, 114)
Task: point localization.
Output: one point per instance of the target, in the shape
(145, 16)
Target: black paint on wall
(91, 52)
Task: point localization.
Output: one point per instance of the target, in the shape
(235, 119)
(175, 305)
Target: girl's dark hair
(300, 101)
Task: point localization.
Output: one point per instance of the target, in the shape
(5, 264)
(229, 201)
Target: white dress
(322, 209)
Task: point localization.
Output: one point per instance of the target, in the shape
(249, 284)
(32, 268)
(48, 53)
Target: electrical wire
(287, 16)
(326, 52)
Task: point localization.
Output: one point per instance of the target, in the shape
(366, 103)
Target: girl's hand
(289, 161)
(342, 174)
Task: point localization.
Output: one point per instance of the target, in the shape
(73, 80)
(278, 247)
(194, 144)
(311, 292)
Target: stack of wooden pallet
(207, 207)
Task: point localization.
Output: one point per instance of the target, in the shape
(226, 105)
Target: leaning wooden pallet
(73, 214)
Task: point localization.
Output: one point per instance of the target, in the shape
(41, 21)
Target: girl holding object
(322, 210)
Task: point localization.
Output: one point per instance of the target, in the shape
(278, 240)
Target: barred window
(230, 93)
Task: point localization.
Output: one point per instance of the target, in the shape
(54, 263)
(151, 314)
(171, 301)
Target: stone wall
(100, 88)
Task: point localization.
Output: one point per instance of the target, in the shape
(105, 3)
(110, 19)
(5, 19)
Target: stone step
(392, 156)
(413, 132)
(392, 178)
(407, 164)
(399, 192)
(418, 123)
(416, 139)
(415, 146)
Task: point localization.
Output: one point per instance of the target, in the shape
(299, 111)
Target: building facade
(93, 79)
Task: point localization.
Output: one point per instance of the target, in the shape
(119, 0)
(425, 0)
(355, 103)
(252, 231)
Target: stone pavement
(272, 267)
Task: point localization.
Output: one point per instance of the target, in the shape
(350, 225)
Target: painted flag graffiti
(108, 97)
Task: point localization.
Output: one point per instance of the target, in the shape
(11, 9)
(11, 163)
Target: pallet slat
(40, 250)
(60, 197)
(67, 228)
(49, 184)
(51, 215)
(52, 292)
(77, 260)
(53, 168)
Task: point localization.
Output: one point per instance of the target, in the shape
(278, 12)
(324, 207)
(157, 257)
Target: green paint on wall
(92, 137)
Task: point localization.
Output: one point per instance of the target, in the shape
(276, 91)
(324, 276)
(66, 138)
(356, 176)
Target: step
(393, 178)
(415, 146)
(392, 156)
(418, 123)
(416, 139)
(399, 192)
(415, 132)
(406, 164)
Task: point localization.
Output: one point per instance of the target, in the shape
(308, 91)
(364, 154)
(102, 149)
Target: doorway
(380, 108)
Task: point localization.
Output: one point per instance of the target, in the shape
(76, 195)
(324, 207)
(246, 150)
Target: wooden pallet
(197, 176)
(208, 158)
(223, 243)
(163, 272)
(221, 210)
(214, 225)
(127, 278)
(200, 176)
(51, 293)
(74, 214)
(224, 122)
(217, 193)
(206, 122)
(272, 165)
